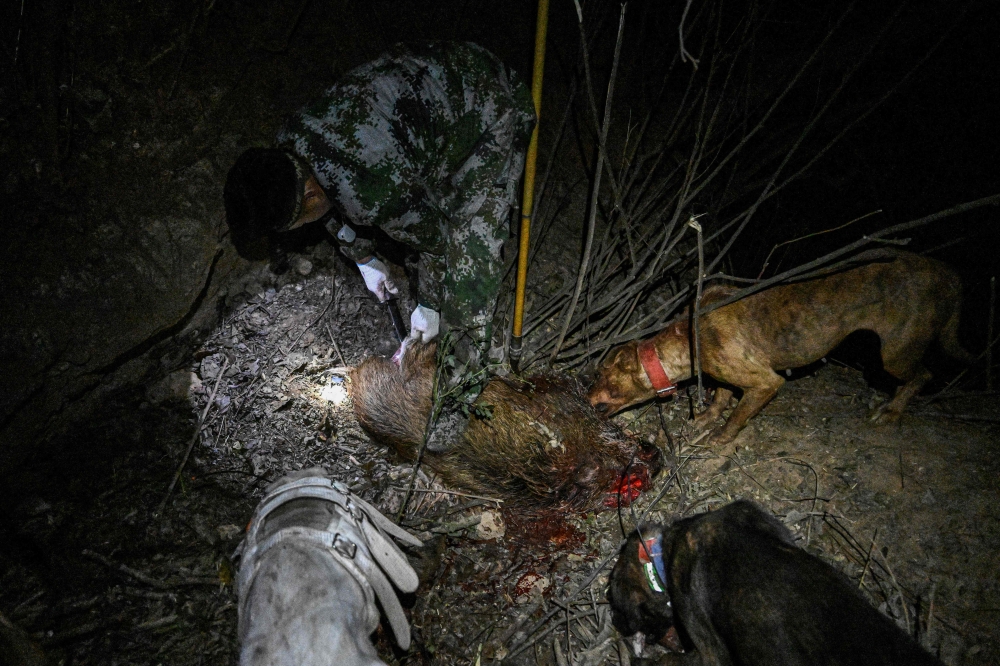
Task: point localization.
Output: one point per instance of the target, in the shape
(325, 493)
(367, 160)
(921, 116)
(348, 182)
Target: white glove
(424, 324)
(377, 280)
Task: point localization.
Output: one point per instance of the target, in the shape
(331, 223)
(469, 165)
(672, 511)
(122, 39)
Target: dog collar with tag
(654, 369)
(651, 559)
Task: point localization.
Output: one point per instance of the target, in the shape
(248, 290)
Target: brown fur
(909, 302)
(543, 445)
(393, 403)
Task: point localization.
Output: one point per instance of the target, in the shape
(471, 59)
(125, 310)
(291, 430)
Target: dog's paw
(720, 440)
(885, 416)
(704, 420)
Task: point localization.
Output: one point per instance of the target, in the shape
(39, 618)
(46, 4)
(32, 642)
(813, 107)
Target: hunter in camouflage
(427, 143)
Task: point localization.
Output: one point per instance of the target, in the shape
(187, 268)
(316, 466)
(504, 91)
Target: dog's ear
(753, 518)
(627, 359)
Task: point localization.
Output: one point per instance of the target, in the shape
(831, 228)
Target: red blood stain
(525, 584)
(541, 528)
(671, 640)
(628, 488)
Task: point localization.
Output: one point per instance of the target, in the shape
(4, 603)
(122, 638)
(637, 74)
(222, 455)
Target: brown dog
(909, 301)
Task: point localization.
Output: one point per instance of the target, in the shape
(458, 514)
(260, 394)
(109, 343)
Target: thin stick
(818, 233)
(962, 417)
(569, 638)
(696, 315)
(989, 333)
(282, 46)
(17, 44)
(186, 46)
(436, 402)
(954, 381)
(930, 617)
(127, 570)
(902, 597)
(685, 55)
(336, 347)
(991, 200)
(194, 438)
(868, 560)
(595, 191)
(453, 492)
(815, 497)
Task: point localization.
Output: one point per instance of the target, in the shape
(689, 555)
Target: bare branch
(597, 182)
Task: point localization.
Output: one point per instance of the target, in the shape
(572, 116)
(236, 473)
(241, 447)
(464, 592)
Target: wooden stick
(336, 347)
(930, 618)
(452, 492)
(127, 570)
(868, 560)
(818, 233)
(696, 309)
(902, 597)
(595, 191)
(194, 438)
(991, 200)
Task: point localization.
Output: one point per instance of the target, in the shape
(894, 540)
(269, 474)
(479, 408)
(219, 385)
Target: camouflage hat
(263, 196)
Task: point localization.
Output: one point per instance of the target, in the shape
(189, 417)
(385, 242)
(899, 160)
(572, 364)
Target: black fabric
(261, 194)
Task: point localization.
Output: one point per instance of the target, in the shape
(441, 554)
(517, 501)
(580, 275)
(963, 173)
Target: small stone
(229, 532)
(491, 526)
(793, 517)
(303, 266)
(530, 586)
(178, 385)
(210, 366)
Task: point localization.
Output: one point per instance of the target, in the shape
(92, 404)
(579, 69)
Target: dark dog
(736, 590)
(909, 301)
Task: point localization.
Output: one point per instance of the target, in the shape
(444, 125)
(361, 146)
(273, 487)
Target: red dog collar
(654, 369)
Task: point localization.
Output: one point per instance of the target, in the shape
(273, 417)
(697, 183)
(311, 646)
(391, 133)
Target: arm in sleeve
(351, 246)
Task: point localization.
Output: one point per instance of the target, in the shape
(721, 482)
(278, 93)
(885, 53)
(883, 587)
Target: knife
(397, 319)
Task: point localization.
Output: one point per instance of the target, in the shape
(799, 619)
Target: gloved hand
(377, 280)
(424, 324)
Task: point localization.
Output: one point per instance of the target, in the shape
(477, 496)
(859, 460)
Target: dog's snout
(602, 408)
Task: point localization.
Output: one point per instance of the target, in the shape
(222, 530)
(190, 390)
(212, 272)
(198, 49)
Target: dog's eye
(601, 407)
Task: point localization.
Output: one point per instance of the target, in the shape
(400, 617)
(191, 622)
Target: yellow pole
(527, 200)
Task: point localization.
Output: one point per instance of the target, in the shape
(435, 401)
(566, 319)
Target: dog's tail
(949, 338)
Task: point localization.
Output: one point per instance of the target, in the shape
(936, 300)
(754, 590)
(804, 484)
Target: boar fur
(543, 445)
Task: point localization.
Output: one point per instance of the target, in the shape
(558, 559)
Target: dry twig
(194, 438)
(599, 171)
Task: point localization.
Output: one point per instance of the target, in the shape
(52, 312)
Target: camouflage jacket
(408, 141)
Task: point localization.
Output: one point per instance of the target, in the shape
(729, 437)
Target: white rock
(491, 526)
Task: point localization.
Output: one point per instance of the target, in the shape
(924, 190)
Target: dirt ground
(98, 576)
